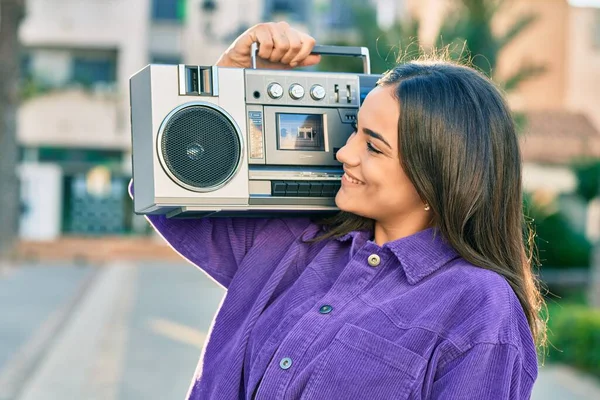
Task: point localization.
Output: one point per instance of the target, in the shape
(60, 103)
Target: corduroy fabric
(422, 324)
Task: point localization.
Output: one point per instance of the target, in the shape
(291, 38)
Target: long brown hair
(459, 147)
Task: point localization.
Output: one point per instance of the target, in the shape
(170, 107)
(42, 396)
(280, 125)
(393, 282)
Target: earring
(427, 208)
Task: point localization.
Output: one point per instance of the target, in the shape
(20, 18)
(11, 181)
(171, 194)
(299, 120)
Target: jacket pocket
(359, 364)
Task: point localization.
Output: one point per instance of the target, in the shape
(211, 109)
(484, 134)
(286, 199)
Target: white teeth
(352, 179)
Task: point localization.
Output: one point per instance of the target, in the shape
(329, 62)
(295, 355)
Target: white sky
(585, 3)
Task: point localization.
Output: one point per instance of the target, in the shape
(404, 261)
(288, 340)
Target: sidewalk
(35, 303)
(561, 382)
(135, 333)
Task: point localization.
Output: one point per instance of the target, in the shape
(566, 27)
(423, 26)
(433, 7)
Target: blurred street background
(93, 305)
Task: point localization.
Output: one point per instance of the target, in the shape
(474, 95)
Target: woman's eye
(372, 149)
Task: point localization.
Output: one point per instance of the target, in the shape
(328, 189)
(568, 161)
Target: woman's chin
(343, 204)
(339, 202)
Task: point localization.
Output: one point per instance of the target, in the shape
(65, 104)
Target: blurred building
(74, 118)
(74, 126)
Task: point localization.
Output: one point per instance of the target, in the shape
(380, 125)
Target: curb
(23, 364)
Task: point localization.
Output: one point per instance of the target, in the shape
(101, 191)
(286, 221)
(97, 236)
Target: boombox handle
(349, 51)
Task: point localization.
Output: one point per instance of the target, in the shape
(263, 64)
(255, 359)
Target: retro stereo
(220, 141)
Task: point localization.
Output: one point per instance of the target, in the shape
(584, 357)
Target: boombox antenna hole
(256, 94)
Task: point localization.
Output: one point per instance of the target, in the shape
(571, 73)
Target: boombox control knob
(317, 92)
(296, 91)
(275, 90)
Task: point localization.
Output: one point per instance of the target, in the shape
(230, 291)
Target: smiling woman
(439, 137)
(374, 184)
(421, 288)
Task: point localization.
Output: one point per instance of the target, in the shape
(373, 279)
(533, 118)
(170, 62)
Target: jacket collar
(420, 254)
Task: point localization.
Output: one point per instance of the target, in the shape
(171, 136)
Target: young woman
(421, 288)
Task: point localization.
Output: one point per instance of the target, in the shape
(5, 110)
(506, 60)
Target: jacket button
(285, 363)
(374, 260)
(326, 309)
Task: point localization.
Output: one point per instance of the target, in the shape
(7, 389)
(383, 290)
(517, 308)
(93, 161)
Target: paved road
(130, 332)
(137, 333)
(558, 382)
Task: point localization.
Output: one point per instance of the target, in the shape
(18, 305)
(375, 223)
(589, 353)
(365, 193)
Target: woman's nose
(346, 155)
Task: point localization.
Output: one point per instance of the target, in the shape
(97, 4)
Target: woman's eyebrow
(376, 135)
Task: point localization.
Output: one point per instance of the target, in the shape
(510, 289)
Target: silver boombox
(218, 141)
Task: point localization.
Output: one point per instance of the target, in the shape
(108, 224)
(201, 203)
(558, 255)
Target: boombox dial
(296, 91)
(200, 147)
(275, 90)
(317, 92)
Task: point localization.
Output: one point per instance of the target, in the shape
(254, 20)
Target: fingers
(295, 46)
(313, 59)
(303, 57)
(280, 43)
(264, 37)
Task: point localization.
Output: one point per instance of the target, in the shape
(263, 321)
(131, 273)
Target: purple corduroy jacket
(348, 319)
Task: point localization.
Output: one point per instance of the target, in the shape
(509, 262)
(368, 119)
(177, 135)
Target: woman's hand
(280, 47)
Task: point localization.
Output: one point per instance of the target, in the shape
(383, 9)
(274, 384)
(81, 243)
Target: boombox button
(329, 188)
(278, 188)
(292, 189)
(316, 189)
(303, 188)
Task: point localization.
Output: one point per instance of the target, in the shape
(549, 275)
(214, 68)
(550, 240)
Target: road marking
(178, 332)
(18, 370)
(65, 372)
(107, 370)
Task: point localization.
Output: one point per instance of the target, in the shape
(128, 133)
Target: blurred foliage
(558, 243)
(467, 31)
(31, 87)
(385, 45)
(588, 178)
(574, 336)
(465, 36)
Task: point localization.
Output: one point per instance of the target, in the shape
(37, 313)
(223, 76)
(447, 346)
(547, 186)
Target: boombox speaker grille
(200, 147)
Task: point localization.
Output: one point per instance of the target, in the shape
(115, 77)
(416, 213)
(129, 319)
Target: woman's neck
(388, 232)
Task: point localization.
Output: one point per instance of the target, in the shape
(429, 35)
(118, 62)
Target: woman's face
(374, 185)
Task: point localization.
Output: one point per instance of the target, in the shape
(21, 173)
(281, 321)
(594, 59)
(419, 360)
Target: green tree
(588, 178)
(385, 45)
(588, 188)
(466, 34)
(11, 14)
(558, 243)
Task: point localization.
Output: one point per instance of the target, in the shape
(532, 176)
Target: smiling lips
(349, 178)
